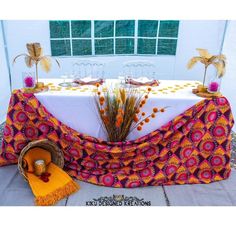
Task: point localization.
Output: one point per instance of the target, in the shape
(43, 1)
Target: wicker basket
(56, 153)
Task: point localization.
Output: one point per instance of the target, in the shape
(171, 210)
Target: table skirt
(193, 148)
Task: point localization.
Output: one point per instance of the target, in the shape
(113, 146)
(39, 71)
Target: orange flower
(137, 111)
(143, 102)
(143, 113)
(102, 111)
(155, 110)
(101, 99)
(140, 105)
(146, 96)
(153, 115)
(162, 110)
(147, 120)
(141, 123)
(97, 84)
(136, 118)
(118, 124)
(139, 128)
(99, 93)
(101, 103)
(149, 89)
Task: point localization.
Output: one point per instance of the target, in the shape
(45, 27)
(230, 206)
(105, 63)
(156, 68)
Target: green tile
(60, 48)
(103, 28)
(146, 46)
(125, 27)
(167, 46)
(104, 46)
(59, 29)
(169, 28)
(125, 46)
(82, 47)
(81, 29)
(147, 28)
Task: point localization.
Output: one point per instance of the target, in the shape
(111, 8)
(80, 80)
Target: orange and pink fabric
(193, 148)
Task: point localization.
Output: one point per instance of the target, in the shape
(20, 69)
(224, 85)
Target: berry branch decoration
(120, 110)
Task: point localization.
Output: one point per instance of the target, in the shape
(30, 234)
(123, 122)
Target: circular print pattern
(89, 164)
(208, 146)
(108, 180)
(211, 116)
(133, 184)
(217, 161)
(170, 169)
(221, 101)
(196, 135)
(146, 173)
(191, 162)
(219, 131)
(20, 117)
(8, 131)
(19, 145)
(182, 177)
(31, 132)
(206, 174)
(186, 152)
(44, 128)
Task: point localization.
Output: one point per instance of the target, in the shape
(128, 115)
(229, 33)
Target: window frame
(114, 37)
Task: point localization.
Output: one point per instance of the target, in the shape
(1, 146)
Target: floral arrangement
(213, 87)
(35, 56)
(120, 111)
(29, 82)
(218, 61)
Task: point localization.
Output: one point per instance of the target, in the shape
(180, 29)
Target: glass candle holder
(28, 80)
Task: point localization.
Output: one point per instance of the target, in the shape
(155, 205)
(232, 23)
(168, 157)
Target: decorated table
(189, 143)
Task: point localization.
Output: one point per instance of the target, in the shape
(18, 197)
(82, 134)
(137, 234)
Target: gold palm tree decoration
(35, 56)
(218, 61)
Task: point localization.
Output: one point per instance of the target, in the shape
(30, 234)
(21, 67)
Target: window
(120, 37)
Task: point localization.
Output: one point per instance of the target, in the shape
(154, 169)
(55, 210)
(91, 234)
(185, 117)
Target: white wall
(192, 35)
(4, 81)
(228, 87)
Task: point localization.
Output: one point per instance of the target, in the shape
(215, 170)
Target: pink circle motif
(219, 131)
(170, 169)
(208, 146)
(182, 177)
(21, 117)
(212, 116)
(191, 162)
(150, 152)
(134, 184)
(19, 145)
(196, 135)
(108, 180)
(114, 165)
(178, 125)
(74, 152)
(190, 125)
(10, 156)
(141, 164)
(7, 131)
(28, 109)
(216, 161)
(206, 174)
(187, 152)
(145, 173)
(44, 128)
(89, 164)
(221, 101)
(84, 175)
(30, 132)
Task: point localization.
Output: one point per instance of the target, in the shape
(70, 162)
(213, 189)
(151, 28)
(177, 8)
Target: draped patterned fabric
(193, 148)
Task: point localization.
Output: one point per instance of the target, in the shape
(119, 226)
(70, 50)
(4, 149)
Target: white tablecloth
(77, 109)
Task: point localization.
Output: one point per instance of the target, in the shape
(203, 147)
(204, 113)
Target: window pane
(82, 47)
(104, 46)
(81, 29)
(167, 46)
(147, 28)
(146, 46)
(59, 29)
(60, 47)
(125, 46)
(125, 28)
(169, 28)
(103, 28)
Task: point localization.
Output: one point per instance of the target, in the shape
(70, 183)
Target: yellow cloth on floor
(60, 184)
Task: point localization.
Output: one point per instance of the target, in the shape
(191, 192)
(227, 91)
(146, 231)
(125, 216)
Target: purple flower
(213, 86)
(29, 82)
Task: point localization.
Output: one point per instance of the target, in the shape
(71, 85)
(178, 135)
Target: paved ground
(14, 191)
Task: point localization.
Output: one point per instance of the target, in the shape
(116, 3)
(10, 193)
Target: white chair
(137, 69)
(88, 68)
